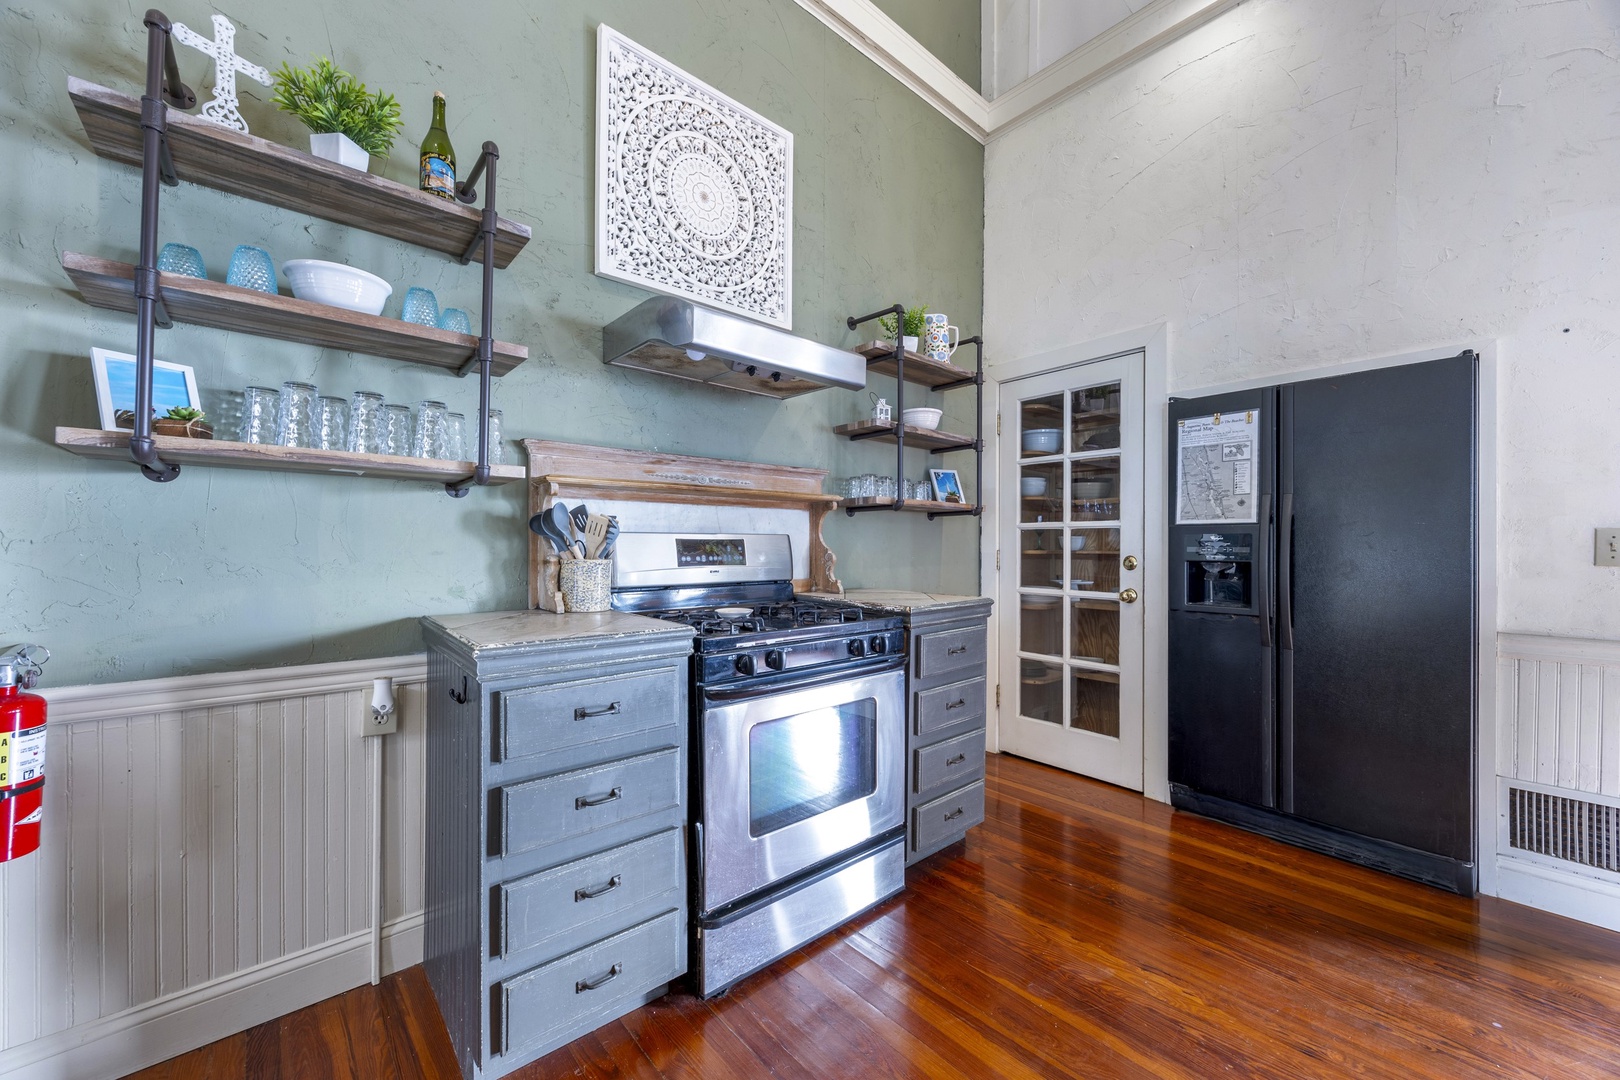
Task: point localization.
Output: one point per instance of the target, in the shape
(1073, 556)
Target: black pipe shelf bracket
(467, 192)
(899, 427)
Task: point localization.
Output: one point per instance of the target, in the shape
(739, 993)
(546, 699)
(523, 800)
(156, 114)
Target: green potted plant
(913, 326)
(347, 124)
(183, 423)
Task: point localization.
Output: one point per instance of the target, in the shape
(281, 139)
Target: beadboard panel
(217, 832)
(1559, 712)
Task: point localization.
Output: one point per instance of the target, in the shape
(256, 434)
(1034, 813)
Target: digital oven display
(710, 552)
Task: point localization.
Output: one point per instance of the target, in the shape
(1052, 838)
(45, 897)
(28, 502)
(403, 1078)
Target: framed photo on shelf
(947, 486)
(173, 385)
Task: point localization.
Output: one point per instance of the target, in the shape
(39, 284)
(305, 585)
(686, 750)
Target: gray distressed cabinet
(556, 837)
(945, 721)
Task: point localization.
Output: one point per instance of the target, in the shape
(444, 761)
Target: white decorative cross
(221, 109)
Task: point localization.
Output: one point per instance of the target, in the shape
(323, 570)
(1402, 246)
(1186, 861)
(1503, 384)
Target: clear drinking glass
(421, 307)
(885, 487)
(396, 433)
(298, 414)
(430, 438)
(332, 424)
(497, 448)
(260, 406)
(365, 423)
(455, 437)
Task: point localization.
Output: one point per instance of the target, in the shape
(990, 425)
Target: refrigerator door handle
(1262, 602)
(1285, 573)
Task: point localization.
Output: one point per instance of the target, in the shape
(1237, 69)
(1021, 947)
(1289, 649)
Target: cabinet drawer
(563, 715)
(537, 1005)
(595, 889)
(946, 817)
(950, 650)
(947, 706)
(948, 764)
(554, 808)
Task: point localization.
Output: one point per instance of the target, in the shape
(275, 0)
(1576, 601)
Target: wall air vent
(1576, 831)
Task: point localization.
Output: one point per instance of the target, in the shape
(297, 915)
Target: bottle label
(438, 176)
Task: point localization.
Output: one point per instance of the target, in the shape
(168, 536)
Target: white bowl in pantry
(1043, 440)
(337, 285)
(1092, 489)
(1032, 485)
(1077, 542)
(922, 418)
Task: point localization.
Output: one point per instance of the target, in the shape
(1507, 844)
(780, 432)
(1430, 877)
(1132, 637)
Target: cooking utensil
(596, 527)
(611, 541)
(562, 525)
(541, 524)
(578, 517)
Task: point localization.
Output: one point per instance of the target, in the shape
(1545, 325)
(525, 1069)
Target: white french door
(1069, 530)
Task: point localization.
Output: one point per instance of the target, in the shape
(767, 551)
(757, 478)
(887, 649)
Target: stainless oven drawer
(558, 716)
(947, 706)
(950, 650)
(948, 764)
(596, 890)
(553, 808)
(947, 817)
(599, 978)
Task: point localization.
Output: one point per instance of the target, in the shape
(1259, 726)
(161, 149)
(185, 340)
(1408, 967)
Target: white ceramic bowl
(1032, 485)
(1077, 542)
(1091, 489)
(1043, 440)
(340, 286)
(923, 418)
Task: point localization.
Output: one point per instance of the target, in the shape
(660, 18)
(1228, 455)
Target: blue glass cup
(421, 307)
(251, 268)
(455, 320)
(181, 260)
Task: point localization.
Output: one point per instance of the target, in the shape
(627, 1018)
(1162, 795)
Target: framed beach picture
(947, 486)
(173, 385)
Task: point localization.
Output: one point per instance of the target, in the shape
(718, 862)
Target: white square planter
(335, 146)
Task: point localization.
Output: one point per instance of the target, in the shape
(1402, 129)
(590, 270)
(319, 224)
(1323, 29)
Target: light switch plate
(1606, 548)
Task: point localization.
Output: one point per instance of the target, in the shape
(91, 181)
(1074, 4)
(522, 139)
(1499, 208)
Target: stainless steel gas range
(798, 777)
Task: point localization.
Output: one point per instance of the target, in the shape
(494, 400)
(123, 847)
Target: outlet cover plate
(1606, 547)
(386, 724)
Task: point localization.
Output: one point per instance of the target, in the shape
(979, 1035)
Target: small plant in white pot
(346, 123)
(913, 326)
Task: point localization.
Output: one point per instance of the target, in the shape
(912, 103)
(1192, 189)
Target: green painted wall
(221, 570)
(947, 28)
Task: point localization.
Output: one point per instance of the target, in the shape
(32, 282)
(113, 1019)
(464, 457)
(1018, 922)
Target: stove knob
(745, 664)
(857, 647)
(879, 645)
(775, 660)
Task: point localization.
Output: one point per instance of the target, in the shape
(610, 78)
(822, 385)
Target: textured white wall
(1307, 182)
(1024, 36)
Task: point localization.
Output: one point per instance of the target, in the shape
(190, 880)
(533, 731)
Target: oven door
(796, 774)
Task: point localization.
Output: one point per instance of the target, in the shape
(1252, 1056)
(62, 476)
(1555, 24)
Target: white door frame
(1152, 342)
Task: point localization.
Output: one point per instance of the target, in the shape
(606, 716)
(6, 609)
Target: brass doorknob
(1129, 596)
(1131, 563)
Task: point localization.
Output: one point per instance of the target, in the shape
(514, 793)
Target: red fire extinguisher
(22, 750)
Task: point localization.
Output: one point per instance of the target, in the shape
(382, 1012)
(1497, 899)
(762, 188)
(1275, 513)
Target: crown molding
(881, 39)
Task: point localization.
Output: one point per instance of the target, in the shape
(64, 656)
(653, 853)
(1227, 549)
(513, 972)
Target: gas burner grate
(805, 613)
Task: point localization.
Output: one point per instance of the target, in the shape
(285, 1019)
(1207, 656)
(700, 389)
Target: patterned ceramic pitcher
(938, 340)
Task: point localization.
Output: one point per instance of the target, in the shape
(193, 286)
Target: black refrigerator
(1323, 614)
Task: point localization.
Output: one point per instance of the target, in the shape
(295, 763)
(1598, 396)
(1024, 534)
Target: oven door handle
(817, 679)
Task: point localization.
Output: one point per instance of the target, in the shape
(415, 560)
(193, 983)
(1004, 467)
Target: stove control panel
(798, 657)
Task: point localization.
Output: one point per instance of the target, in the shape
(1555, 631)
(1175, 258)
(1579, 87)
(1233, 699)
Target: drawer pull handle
(957, 760)
(958, 651)
(586, 801)
(596, 984)
(954, 814)
(957, 704)
(583, 713)
(592, 894)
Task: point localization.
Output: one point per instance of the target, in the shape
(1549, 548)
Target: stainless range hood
(689, 341)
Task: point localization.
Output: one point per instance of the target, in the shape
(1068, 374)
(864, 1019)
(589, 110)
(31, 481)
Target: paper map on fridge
(1215, 468)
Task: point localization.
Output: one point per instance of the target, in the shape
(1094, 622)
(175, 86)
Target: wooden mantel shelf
(107, 284)
(114, 446)
(213, 156)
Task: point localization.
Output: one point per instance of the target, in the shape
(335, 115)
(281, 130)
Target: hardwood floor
(1081, 932)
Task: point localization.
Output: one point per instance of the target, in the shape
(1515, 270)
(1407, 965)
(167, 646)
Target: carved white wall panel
(694, 192)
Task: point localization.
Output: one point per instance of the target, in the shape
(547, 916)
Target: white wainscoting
(209, 861)
(1558, 733)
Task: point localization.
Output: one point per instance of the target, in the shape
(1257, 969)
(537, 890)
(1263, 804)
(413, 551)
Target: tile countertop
(509, 629)
(903, 602)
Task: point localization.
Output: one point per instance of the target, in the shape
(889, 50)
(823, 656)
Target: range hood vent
(689, 341)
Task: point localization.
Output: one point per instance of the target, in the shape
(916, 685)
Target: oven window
(804, 765)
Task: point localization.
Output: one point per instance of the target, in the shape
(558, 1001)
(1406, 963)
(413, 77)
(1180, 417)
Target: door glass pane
(1095, 424)
(1094, 560)
(1041, 426)
(1040, 491)
(803, 765)
(1041, 624)
(1041, 691)
(1095, 702)
(1040, 558)
(1095, 631)
(1094, 489)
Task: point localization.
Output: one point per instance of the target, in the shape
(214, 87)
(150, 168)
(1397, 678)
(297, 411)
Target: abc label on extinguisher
(22, 756)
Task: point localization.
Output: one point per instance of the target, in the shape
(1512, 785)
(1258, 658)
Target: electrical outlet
(1606, 548)
(381, 723)
(381, 716)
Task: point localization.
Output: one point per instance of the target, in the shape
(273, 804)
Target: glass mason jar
(397, 430)
(431, 438)
(366, 423)
(260, 406)
(297, 416)
(497, 448)
(332, 424)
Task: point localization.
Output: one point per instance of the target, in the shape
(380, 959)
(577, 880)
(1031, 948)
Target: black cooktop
(762, 618)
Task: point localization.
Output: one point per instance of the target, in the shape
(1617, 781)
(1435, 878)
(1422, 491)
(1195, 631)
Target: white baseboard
(1574, 896)
(116, 1045)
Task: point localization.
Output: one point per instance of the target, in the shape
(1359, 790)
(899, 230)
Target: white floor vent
(1574, 830)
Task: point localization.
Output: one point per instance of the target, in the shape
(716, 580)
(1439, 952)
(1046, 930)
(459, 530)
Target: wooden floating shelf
(213, 156)
(114, 446)
(918, 506)
(919, 369)
(927, 438)
(107, 284)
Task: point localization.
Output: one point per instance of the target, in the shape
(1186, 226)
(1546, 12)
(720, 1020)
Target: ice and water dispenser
(1218, 569)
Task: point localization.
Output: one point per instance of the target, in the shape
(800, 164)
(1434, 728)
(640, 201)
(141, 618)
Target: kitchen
(1280, 189)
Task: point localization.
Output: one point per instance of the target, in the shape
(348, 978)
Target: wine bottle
(438, 157)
